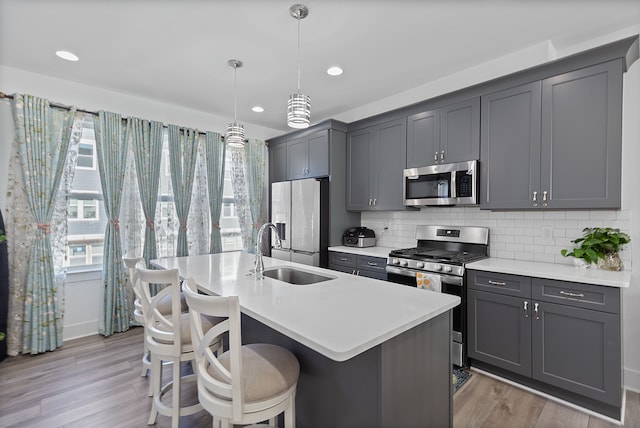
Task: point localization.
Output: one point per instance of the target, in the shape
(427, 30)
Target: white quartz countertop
(367, 251)
(560, 272)
(339, 318)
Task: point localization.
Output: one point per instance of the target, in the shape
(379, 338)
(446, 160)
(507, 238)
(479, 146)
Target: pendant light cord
(298, 52)
(235, 93)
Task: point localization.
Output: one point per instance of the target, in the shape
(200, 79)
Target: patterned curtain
(215, 154)
(256, 157)
(43, 136)
(199, 223)
(111, 147)
(147, 148)
(183, 150)
(241, 196)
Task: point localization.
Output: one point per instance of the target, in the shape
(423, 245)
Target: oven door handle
(446, 279)
(400, 271)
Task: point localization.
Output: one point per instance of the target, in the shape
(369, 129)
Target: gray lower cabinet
(554, 143)
(564, 336)
(371, 267)
(308, 156)
(444, 135)
(375, 163)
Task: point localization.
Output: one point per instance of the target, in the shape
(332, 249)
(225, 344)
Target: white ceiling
(177, 51)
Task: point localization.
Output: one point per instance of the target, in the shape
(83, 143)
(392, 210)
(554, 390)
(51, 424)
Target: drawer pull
(343, 259)
(501, 283)
(566, 293)
(372, 264)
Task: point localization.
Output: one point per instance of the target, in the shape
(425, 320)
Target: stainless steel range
(443, 251)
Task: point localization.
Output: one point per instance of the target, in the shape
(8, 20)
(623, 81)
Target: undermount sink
(295, 276)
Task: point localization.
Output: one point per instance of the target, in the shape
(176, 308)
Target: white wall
(13, 80)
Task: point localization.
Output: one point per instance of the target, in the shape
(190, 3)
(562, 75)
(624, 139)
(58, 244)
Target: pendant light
(299, 106)
(235, 131)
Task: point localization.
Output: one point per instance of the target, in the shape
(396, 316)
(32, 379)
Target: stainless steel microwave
(444, 184)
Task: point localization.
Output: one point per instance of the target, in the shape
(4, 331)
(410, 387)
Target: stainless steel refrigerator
(299, 211)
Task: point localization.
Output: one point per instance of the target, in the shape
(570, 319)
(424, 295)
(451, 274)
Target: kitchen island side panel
(404, 382)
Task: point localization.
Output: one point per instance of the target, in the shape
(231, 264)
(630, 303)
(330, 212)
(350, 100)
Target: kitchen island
(372, 353)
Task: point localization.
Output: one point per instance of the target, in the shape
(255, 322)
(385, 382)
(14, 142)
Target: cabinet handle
(500, 283)
(370, 202)
(375, 202)
(358, 272)
(372, 264)
(526, 309)
(343, 259)
(353, 272)
(566, 293)
(435, 157)
(442, 156)
(535, 199)
(544, 198)
(535, 309)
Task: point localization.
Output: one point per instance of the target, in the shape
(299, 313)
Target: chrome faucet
(259, 264)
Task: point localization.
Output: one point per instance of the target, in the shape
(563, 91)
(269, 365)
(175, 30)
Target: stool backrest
(225, 391)
(164, 330)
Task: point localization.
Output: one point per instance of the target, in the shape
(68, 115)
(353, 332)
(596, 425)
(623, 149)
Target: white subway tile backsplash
(515, 235)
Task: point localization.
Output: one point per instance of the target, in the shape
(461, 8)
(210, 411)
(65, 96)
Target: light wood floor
(95, 382)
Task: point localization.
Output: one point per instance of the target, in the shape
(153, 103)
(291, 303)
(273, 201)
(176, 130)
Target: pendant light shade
(235, 131)
(299, 105)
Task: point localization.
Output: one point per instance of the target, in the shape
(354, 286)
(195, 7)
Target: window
(86, 224)
(82, 209)
(86, 153)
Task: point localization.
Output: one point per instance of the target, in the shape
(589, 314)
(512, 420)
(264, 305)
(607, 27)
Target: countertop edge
(554, 271)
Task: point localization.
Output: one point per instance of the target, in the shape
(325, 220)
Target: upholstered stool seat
(267, 370)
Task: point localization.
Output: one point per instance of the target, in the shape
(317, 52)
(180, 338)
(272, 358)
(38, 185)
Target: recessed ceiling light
(67, 55)
(257, 109)
(334, 71)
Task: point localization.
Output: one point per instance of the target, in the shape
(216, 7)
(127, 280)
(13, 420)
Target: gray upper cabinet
(554, 143)
(278, 162)
(510, 141)
(375, 162)
(582, 137)
(444, 135)
(423, 139)
(308, 157)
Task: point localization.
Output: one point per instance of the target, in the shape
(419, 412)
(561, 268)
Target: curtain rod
(94, 113)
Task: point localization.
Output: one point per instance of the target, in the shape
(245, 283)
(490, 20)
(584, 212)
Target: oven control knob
(403, 263)
(395, 261)
(437, 267)
(419, 265)
(447, 268)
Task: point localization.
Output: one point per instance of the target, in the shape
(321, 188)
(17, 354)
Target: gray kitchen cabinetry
(564, 337)
(371, 267)
(444, 135)
(278, 163)
(308, 156)
(554, 143)
(375, 162)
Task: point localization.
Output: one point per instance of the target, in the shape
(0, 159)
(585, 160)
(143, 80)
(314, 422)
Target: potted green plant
(599, 245)
(3, 237)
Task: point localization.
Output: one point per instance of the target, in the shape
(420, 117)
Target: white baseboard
(78, 330)
(632, 379)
